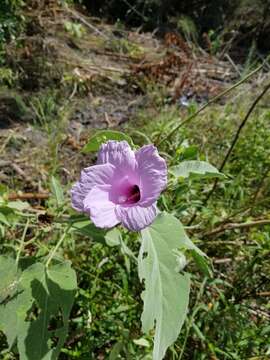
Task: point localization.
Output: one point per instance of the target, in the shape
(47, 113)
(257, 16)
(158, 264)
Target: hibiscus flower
(123, 187)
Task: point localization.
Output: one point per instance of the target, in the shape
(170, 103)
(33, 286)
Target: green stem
(191, 320)
(60, 241)
(22, 242)
(215, 98)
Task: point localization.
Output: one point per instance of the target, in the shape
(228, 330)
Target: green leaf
(141, 342)
(103, 136)
(113, 237)
(8, 271)
(57, 191)
(168, 225)
(202, 264)
(18, 205)
(3, 219)
(53, 292)
(90, 230)
(166, 292)
(13, 301)
(196, 169)
(36, 315)
(116, 350)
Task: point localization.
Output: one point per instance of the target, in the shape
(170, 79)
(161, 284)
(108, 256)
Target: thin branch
(264, 293)
(233, 226)
(214, 99)
(86, 23)
(252, 107)
(28, 196)
(235, 139)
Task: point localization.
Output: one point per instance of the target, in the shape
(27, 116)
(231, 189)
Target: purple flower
(123, 187)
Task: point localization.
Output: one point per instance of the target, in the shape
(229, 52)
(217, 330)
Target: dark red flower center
(134, 195)
(129, 194)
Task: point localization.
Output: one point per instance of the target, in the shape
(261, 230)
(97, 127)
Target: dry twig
(234, 226)
(28, 196)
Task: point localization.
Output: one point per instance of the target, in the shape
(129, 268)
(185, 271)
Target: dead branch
(233, 226)
(263, 293)
(87, 24)
(28, 196)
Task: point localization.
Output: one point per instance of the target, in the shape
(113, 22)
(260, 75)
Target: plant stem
(190, 322)
(60, 241)
(22, 242)
(235, 139)
(215, 98)
(232, 226)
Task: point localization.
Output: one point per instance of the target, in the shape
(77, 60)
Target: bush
(10, 20)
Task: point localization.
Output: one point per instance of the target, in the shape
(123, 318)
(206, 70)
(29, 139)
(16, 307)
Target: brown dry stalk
(28, 196)
(233, 226)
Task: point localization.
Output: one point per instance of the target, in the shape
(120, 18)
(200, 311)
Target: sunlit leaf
(3, 219)
(166, 292)
(53, 292)
(36, 313)
(196, 169)
(18, 205)
(8, 271)
(14, 302)
(141, 342)
(113, 237)
(103, 136)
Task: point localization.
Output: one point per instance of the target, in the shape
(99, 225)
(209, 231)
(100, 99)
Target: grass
(229, 310)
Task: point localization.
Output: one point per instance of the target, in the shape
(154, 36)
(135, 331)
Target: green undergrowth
(229, 309)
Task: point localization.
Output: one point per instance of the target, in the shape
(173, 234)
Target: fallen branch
(233, 226)
(264, 293)
(28, 196)
(227, 260)
(87, 24)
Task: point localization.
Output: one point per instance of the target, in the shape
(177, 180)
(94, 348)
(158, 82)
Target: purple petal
(136, 218)
(152, 170)
(90, 177)
(119, 154)
(77, 196)
(101, 210)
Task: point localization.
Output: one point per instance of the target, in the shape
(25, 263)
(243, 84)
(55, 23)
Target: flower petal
(117, 153)
(98, 205)
(77, 196)
(152, 170)
(90, 177)
(136, 218)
